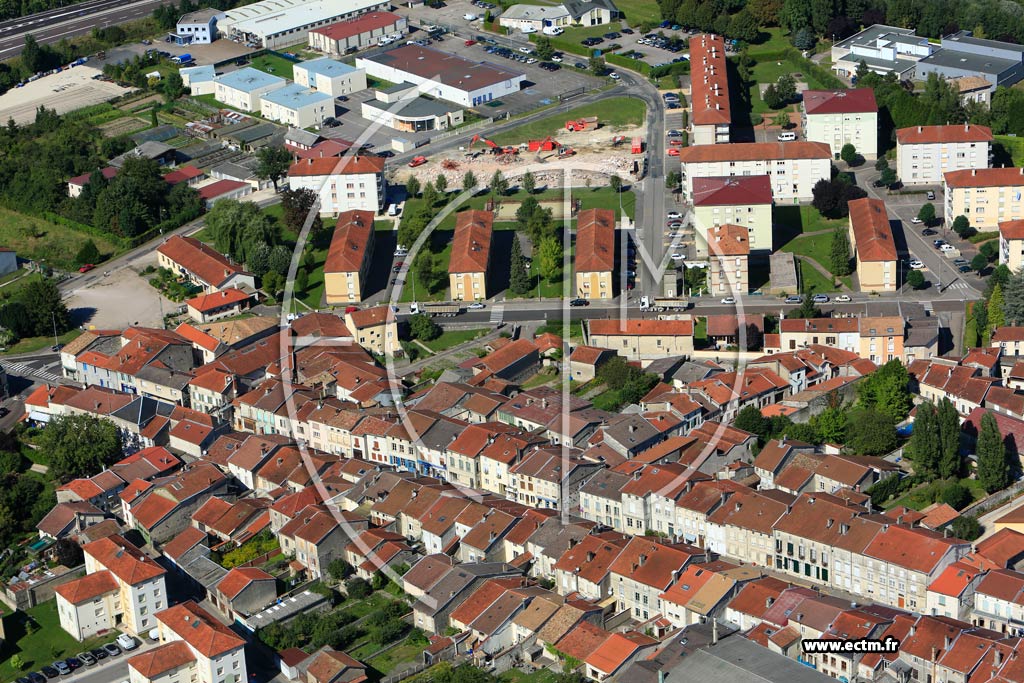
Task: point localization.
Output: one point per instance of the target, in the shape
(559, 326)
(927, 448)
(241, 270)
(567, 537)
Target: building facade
(794, 167)
(924, 154)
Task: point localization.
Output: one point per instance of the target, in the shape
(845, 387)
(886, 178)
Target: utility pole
(53, 318)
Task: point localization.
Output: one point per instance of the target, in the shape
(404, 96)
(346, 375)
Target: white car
(916, 264)
(678, 256)
(469, 17)
(526, 50)
(729, 300)
(673, 235)
(947, 248)
(126, 642)
(674, 215)
(614, 76)
(556, 58)
(476, 306)
(843, 299)
(916, 221)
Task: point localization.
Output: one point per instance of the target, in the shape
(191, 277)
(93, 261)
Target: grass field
(638, 11)
(920, 497)
(36, 239)
(1012, 146)
(48, 643)
(814, 282)
(452, 338)
(273, 64)
(30, 344)
(615, 112)
(774, 40)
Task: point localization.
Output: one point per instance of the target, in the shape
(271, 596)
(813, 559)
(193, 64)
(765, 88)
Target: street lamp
(53, 317)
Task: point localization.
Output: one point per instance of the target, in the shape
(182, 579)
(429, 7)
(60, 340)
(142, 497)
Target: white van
(393, 210)
(787, 137)
(553, 31)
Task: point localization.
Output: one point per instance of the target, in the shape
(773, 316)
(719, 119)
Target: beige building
(375, 329)
(349, 257)
(711, 114)
(728, 261)
(1011, 244)
(342, 183)
(330, 77)
(924, 154)
(743, 200)
(471, 255)
(641, 339)
(841, 117)
(986, 196)
(595, 253)
(872, 242)
(794, 167)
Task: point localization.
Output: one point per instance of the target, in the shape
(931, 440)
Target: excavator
(495, 148)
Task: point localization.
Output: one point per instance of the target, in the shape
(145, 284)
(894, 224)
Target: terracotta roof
(63, 514)
(927, 135)
(751, 511)
(642, 328)
(591, 559)
(351, 239)
(855, 101)
(652, 563)
(181, 174)
(508, 354)
(914, 549)
(819, 325)
(220, 188)
(371, 317)
(710, 81)
(1003, 547)
(347, 165)
(732, 190)
(582, 640)
(871, 232)
(200, 629)
(616, 651)
(330, 663)
(954, 579)
(588, 355)
(1008, 334)
(986, 177)
(189, 538)
(595, 240)
(365, 23)
(162, 659)
(239, 578)
(471, 243)
(207, 263)
(755, 151)
(124, 560)
(88, 587)
(1012, 230)
(209, 302)
(728, 240)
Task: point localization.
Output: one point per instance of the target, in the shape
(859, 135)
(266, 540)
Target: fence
(462, 129)
(996, 499)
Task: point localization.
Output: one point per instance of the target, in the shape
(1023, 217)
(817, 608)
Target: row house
(266, 408)
(150, 362)
(644, 570)
(952, 593)
(234, 522)
(484, 542)
(165, 509)
(999, 602)
(550, 477)
(641, 340)
(315, 538)
(585, 568)
(966, 387)
(700, 594)
(462, 456)
(730, 392)
(649, 497)
(741, 528)
(375, 550)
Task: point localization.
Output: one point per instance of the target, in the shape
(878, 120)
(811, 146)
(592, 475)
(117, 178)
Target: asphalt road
(68, 22)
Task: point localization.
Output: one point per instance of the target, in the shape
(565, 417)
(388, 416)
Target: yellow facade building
(471, 255)
(595, 253)
(348, 259)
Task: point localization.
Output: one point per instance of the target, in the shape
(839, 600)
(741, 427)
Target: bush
(957, 496)
(968, 528)
(358, 588)
(260, 544)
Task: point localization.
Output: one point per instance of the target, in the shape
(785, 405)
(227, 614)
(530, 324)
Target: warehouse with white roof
(279, 23)
(297, 106)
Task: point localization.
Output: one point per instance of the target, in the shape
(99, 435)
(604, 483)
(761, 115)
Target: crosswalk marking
(22, 370)
(497, 314)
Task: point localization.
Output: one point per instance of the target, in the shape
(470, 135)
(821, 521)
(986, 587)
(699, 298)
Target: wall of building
(925, 164)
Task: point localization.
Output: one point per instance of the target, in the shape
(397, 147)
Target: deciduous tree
(79, 445)
(272, 163)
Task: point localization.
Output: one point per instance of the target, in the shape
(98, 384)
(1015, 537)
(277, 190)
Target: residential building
(740, 200)
(873, 246)
(842, 117)
(330, 77)
(531, 18)
(470, 255)
(645, 569)
(924, 154)
(641, 339)
(229, 302)
(986, 196)
(355, 34)
(295, 105)
(274, 24)
(375, 329)
(194, 645)
(243, 89)
(548, 478)
(343, 184)
(349, 257)
(202, 265)
(794, 167)
(728, 260)
(595, 253)
(1011, 244)
(197, 28)
(711, 114)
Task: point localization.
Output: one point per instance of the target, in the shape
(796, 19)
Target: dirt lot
(122, 298)
(125, 126)
(63, 92)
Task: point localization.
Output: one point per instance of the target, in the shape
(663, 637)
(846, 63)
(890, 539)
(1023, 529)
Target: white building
(794, 167)
(297, 106)
(200, 80)
(443, 75)
(414, 115)
(244, 88)
(122, 588)
(356, 34)
(924, 154)
(841, 117)
(330, 76)
(343, 183)
(199, 27)
(280, 23)
(883, 49)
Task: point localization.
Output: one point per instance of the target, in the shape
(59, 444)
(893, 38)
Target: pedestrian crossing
(497, 314)
(22, 370)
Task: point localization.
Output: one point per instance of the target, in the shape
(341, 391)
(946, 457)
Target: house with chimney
(202, 265)
(645, 569)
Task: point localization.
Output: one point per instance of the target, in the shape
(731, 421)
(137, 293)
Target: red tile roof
(189, 538)
(642, 328)
(353, 27)
(210, 302)
(1003, 547)
(954, 579)
(914, 549)
(756, 151)
(595, 240)
(508, 354)
(88, 587)
(182, 174)
(709, 81)
(162, 659)
(728, 240)
(347, 165)
(986, 177)
(616, 651)
(1012, 230)
(732, 191)
(207, 263)
(471, 244)
(221, 187)
(200, 629)
(371, 317)
(856, 101)
(652, 563)
(926, 135)
(108, 172)
(239, 578)
(124, 560)
(871, 232)
(351, 239)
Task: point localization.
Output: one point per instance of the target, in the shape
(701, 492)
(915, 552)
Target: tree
(238, 228)
(545, 51)
(949, 439)
(272, 163)
(441, 184)
(924, 445)
(804, 39)
(423, 328)
(966, 527)
(615, 182)
(528, 183)
(673, 180)
(956, 496)
(357, 588)
(840, 253)
(989, 250)
(519, 279)
(831, 424)
(17, 663)
(172, 86)
(786, 88)
(89, 253)
(961, 226)
(927, 213)
(979, 263)
(881, 164)
(887, 391)
(915, 279)
(272, 283)
(46, 311)
(888, 178)
(848, 154)
(468, 181)
(412, 186)
(750, 419)
(771, 97)
(549, 258)
(33, 58)
(339, 569)
(499, 184)
(296, 206)
(68, 553)
(872, 432)
(301, 281)
(596, 65)
(744, 26)
(993, 465)
(781, 120)
(79, 445)
(996, 314)
(1013, 306)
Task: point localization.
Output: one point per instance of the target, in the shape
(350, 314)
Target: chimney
(974, 172)
(947, 642)
(590, 556)
(714, 631)
(769, 601)
(640, 560)
(632, 428)
(661, 676)
(967, 127)
(738, 506)
(999, 657)
(919, 129)
(935, 653)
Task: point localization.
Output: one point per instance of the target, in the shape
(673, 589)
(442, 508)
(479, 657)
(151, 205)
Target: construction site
(593, 151)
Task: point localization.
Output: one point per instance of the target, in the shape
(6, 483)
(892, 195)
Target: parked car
(794, 299)
(843, 299)
(579, 302)
(916, 221)
(675, 134)
(614, 76)
(928, 232)
(946, 248)
(916, 264)
(964, 269)
(729, 300)
(86, 658)
(62, 667)
(678, 256)
(332, 122)
(674, 215)
(959, 262)
(612, 35)
(930, 195)
(820, 299)
(469, 17)
(86, 268)
(50, 672)
(476, 306)
(99, 653)
(127, 642)
(112, 650)
(74, 663)
(674, 225)
(36, 677)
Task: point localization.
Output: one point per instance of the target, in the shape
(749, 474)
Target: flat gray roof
(285, 609)
(961, 37)
(969, 63)
(871, 33)
(418, 107)
(900, 66)
(738, 660)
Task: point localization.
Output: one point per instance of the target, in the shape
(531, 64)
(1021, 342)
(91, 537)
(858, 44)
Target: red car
(351, 309)
(470, 42)
(417, 161)
(673, 151)
(86, 268)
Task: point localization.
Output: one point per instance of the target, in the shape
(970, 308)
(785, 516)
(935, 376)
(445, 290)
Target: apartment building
(842, 117)
(641, 339)
(547, 478)
(375, 329)
(986, 196)
(728, 260)
(741, 528)
(924, 154)
(1011, 244)
(645, 569)
(711, 113)
(201, 265)
(342, 183)
(873, 246)
(882, 338)
(471, 255)
(194, 646)
(794, 167)
(349, 257)
(900, 563)
(740, 200)
(595, 253)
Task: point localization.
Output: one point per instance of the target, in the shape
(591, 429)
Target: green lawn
(615, 112)
(1013, 146)
(36, 239)
(609, 400)
(406, 652)
(545, 376)
(700, 330)
(638, 11)
(768, 71)
(49, 642)
(30, 344)
(538, 676)
(558, 327)
(775, 40)
(451, 338)
(921, 496)
(791, 221)
(813, 281)
(414, 289)
(273, 64)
